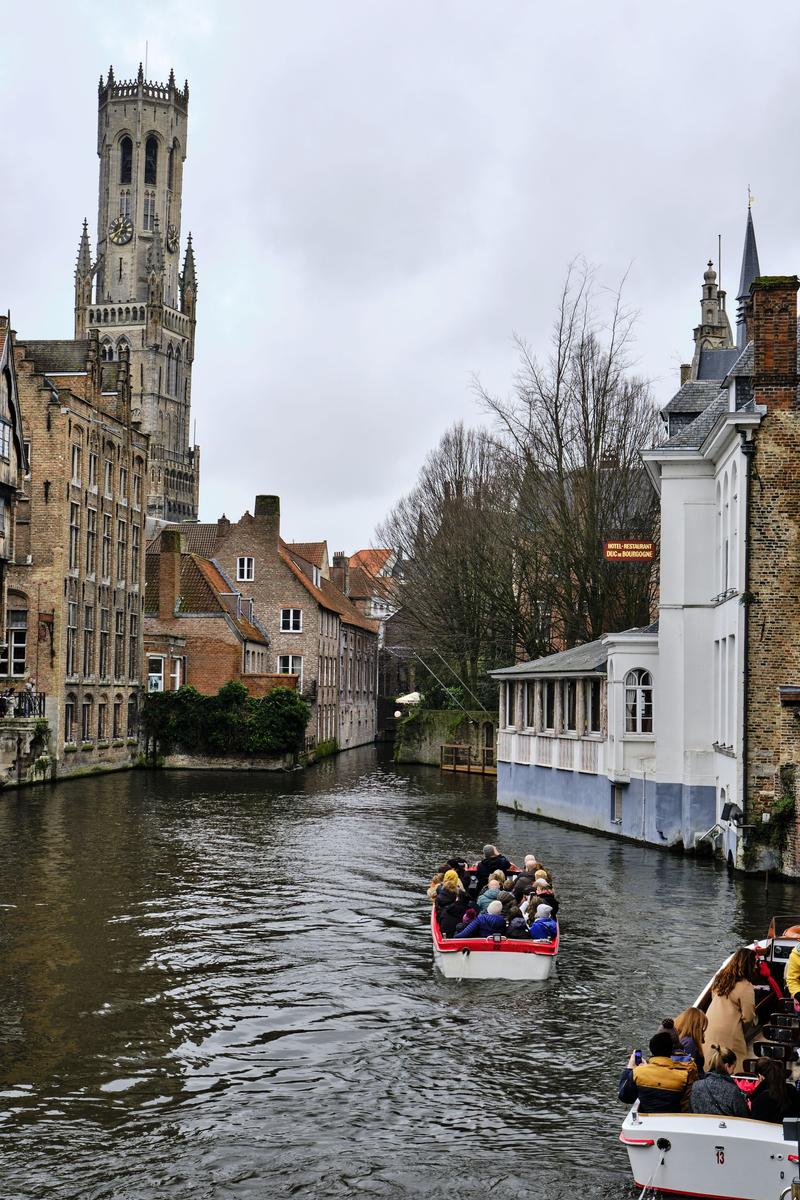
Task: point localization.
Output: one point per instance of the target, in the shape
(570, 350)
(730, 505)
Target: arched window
(106, 351)
(125, 202)
(171, 167)
(149, 211)
(123, 342)
(170, 382)
(69, 718)
(638, 701)
(151, 159)
(125, 160)
(177, 388)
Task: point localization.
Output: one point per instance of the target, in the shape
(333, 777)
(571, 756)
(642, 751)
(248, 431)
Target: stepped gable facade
(134, 293)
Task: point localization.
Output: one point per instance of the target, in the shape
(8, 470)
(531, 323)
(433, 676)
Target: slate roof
(202, 588)
(589, 659)
(693, 397)
(693, 436)
(57, 356)
(315, 553)
(716, 364)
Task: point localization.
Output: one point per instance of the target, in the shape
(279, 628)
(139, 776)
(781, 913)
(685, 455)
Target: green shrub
(229, 723)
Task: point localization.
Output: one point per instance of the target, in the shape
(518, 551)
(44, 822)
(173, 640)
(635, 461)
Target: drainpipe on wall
(748, 447)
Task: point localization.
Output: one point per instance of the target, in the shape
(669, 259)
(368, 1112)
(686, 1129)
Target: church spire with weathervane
(84, 274)
(750, 272)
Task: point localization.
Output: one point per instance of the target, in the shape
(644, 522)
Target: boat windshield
(785, 926)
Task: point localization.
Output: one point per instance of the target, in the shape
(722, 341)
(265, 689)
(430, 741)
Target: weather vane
(750, 197)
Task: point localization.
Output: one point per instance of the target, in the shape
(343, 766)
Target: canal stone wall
(219, 762)
(423, 732)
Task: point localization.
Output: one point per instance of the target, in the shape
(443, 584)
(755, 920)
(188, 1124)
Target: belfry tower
(134, 294)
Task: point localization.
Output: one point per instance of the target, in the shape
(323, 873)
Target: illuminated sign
(627, 550)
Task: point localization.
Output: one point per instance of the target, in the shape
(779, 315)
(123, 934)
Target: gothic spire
(84, 265)
(750, 272)
(189, 277)
(155, 252)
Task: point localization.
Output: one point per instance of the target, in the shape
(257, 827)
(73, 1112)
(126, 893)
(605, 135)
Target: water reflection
(222, 986)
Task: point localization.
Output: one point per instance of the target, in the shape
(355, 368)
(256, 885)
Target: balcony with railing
(586, 755)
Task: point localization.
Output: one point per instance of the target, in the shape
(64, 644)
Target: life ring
(792, 932)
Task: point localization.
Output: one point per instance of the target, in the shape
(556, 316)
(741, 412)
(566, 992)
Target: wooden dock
(458, 757)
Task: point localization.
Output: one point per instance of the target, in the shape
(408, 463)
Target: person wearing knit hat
(486, 923)
(451, 881)
(546, 895)
(544, 927)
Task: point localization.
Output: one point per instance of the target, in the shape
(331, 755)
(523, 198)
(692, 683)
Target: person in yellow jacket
(662, 1084)
(792, 976)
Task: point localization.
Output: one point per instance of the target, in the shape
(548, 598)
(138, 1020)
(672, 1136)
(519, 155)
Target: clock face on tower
(172, 239)
(120, 230)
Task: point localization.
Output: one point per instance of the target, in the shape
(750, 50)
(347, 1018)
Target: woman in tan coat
(732, 1011)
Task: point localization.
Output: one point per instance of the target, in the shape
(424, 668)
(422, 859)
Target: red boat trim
(702, 1195)
(507, 945)
(629, 1141)
(793, 1157)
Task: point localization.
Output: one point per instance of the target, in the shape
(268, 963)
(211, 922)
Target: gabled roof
(371, 561)
(693, 397)
(202, 591)
(693, 436)
(328, 595)
(56, 357)
(315, 553)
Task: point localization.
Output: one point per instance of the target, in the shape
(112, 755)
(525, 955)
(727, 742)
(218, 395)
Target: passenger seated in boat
(546, 895)
(452, 914)
(544, 927)
(518, 929)
(486, 923)
(491, 861)
(668, 1026)
(732, 1011)
(541, 873)
(470, 913)
(660, 1085)
(716, 1094)
(773, 1099)
(434, 885)
(487, 896)
(691, 1026)
(450, 883)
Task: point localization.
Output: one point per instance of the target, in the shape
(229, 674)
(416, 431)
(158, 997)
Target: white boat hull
(729, 1158)
(485, 958)
(488, 964)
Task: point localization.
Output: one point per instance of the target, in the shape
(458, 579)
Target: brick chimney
(774, 331)
(223, 526)
(169, 573)
(268, 513)
(340, 572)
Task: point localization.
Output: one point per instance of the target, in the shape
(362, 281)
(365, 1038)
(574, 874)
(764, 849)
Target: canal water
(220, 985)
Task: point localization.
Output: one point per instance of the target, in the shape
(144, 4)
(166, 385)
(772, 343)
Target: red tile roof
(202, 591)
(315, 553)
(371, 561)
(329, 596)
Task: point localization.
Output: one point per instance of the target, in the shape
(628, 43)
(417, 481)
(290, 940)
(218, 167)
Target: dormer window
(316, 576)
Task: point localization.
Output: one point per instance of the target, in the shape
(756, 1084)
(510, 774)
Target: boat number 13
(720, 1153)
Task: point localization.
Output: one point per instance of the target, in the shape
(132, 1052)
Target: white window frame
(155, 679)
(291, 669)
(291, 620)
(638, 694)
(245, 569)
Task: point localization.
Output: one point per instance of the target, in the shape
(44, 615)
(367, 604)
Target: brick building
(313, 629)
(76, 586)
(198, 628)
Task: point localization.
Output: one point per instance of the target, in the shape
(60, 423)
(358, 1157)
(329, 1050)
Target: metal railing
(22, 704)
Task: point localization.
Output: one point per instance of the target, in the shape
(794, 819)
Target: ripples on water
(221, 986)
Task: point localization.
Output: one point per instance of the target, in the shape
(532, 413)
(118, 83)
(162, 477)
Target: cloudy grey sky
(382, 191)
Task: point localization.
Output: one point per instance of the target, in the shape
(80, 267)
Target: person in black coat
(491, 861)
(450, 915)
(773, 1099)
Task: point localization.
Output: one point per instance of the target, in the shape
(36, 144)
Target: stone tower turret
(138, 301)
(714, 330)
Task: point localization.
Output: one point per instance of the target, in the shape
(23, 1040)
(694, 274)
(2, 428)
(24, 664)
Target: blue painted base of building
(663, 814)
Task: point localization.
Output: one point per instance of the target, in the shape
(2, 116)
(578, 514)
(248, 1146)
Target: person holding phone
(660, 1084)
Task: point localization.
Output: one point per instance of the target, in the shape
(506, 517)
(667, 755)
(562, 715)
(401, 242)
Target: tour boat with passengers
(494, 957)
(728, 1158)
